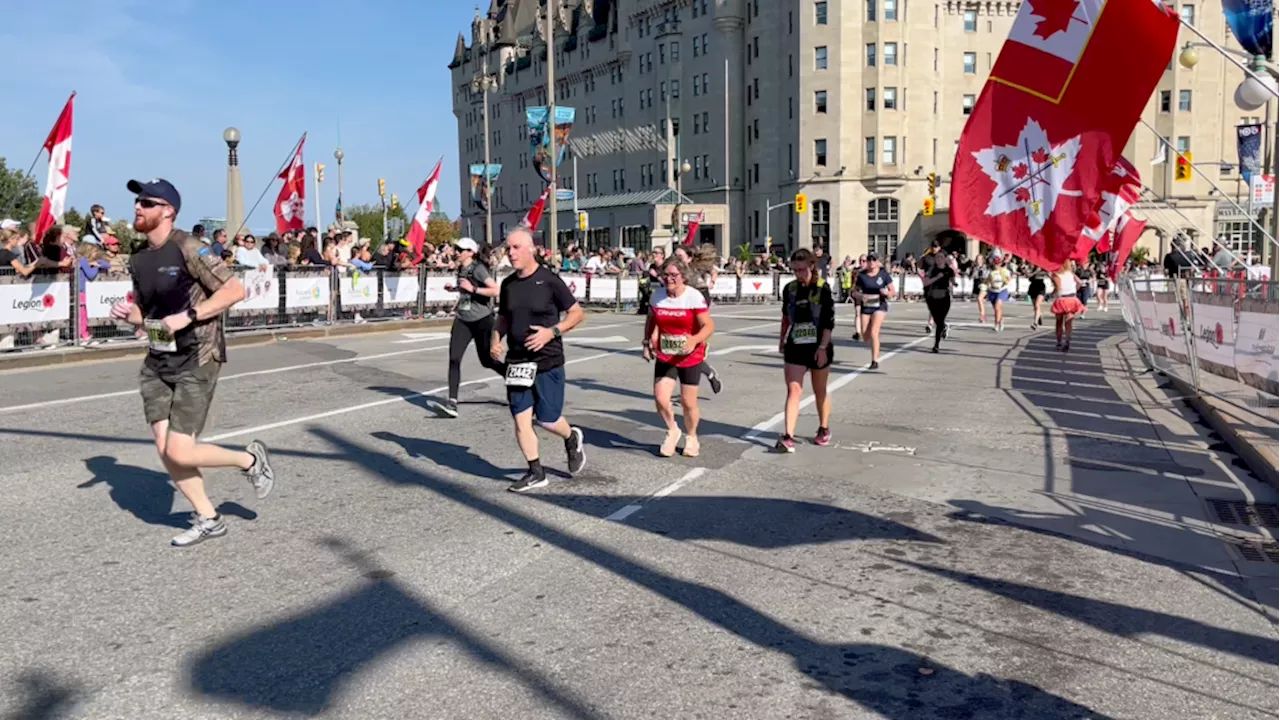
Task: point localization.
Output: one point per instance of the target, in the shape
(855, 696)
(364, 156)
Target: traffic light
(802, 203)
(395, 201)
(382, 187)
(319, 172)
(928, 207)
(583, 220)
(933, 185)
(1182, 173)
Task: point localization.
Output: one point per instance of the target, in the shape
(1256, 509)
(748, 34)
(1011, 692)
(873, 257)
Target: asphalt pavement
(997, 531)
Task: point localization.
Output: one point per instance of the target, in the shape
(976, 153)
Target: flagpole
(292, 153)
(315, 177)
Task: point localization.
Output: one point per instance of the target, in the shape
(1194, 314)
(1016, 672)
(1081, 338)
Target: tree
(1140, 255)
(131, 240)
(73, 218)
(19, 195)
(441, 232)
(368, 218)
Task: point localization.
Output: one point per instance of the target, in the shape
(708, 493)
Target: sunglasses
(148, 203)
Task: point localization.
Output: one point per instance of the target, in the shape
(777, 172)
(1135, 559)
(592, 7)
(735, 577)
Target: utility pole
(485, 85)
(553, 239)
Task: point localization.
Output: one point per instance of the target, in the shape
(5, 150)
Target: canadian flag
(426, 202)
(534, 216)
(58, 144)
(291, 202)
(693, 229)
(1121, 192)
(1125, 238)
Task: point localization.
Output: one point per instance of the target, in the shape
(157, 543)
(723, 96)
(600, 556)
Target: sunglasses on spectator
(148, 203)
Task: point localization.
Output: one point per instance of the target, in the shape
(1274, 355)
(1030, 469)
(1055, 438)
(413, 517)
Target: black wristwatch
(555, 330)
(193, 315)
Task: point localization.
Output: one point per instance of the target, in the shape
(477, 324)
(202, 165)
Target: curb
(71, 356)
(1245, 444)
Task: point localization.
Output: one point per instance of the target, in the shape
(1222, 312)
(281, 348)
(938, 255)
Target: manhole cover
(1257, 552)
(1238, 512)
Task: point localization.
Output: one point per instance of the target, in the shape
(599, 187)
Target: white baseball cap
(9, 224)
(467, 243)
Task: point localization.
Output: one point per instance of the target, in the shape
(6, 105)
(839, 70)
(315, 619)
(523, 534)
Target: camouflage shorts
(182, 399)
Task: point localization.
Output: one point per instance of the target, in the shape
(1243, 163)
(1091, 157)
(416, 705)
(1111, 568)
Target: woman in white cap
(472, 318)
(998, 287)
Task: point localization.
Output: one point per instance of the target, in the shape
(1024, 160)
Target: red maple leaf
(1055, 16)
(1022, 194)
(1019, 171)
(1041, 156)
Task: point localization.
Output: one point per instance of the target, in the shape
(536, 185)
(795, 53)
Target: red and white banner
(291, 202)
(426, 202)
(35, 303)
(534, 216)
(1125, 238)
(693, 229)
(1062, 100)
(1122, 191)
(58, 145)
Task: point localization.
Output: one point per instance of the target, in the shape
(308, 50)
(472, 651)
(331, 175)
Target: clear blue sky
(159, 81)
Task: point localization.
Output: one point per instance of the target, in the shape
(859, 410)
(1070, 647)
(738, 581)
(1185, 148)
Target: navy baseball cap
(159, 189)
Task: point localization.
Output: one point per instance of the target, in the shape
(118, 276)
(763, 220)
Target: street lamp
(339, 155)
(484, 83)
(235, 191)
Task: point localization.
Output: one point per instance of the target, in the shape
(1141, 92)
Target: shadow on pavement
(147, 494)
(298, 665)
(41, 696)
(457, 457)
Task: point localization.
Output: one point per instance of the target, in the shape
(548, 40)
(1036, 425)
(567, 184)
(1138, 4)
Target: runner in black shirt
(181, 290)
(530, 303)
(938, 278)
(472, 318)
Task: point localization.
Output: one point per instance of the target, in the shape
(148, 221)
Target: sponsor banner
(577, 285)
(912, 285)
(783, 281)
(726, 286)
(1169, 327)
(757, 285)
(1021, 286)
(261, 290)
(437, 295)
(603, 289)
(306, 291)
(1256, 348)
(400, 289)
(1147, 317)
(358, 290)
(100, 295)
(35, 303)
(629, 289)
(1215, 335)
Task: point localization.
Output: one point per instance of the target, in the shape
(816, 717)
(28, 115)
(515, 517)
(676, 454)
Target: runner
(927, 262)
(875, 287)
(981, 276)
(808, 319)
(472, 319)
(998, 287)
(181, 289)
(1066, 305)
(1036, 290)
(530, 303)
(1104, 288)
(676, 335)
(844, 274)
(861, 322)
(705, 274)
(1087, 277)
(937, 291)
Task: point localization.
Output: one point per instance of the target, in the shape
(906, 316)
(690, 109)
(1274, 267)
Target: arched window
(882, 227)
(821, 225)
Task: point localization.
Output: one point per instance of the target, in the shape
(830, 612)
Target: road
(998, 531)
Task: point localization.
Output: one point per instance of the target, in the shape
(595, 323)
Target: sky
(158, 82)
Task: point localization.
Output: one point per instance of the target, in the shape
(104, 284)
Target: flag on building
(426, 202)
(291, 202)
(693, 229)
(534, 216)
(58, 145)
(1063, 98)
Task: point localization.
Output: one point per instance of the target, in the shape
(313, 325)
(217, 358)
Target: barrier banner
(1148, 317)
(400, 289)
(912, 285)
(1021, 287)
(1215, 334)
(40, 302)
(725, 286)
(261, 291)
(629, 288)
(577, 285)
(757, 285)
(1256, 346)
(437, 295)
(1169, 327)
(783, 281)
(306, 291)
(358, 290)
(603, 289)
(100, 295)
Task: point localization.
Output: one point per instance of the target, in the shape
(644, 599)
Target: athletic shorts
(1084, 293)
(545, 398)
(686, 375)
(806, 356)
(1037, 289)
(994, 295)
(873, 308)
(182, 399)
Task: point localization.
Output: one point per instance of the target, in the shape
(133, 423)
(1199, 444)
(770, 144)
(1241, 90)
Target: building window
(890, 98)
(871, 151)
(820, 102)
(871, 99)
(820, 153)
(820, 57)
(1184, 101)
(871, 10)
(697, 168)
(871, 54)
(890, 53)
(755, 128)
(889, 151)
(882, 228)
(755, 172)
(968, 103)
(662, 53)
(662, 91)
(704, 83)
(821, 224)
(971, 21)
(1189, 14)
(970, 63)
(1166, 101)
(820, 13)
(890, 10)
(675, 51)
(675, 89)
(1184, 143)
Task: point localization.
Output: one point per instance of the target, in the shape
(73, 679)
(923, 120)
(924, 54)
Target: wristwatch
(193, 315)
(555, 330)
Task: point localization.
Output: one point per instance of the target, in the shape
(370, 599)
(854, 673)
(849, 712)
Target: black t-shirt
(1175, 263)
(877, 284)
(6, 259)
(940, 288)
(314, 257)
(538, 299)
(809, 304)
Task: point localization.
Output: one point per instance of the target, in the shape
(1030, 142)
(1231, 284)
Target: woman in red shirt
(676, 334)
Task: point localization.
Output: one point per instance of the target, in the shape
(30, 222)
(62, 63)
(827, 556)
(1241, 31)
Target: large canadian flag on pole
(58, 144)
(1062, 100)
(1122, 191)
(426, 202)
(291, 202)
(534, 216)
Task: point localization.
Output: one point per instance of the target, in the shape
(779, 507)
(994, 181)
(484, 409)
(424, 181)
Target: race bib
(521, 375)
(671, 344)
(159, 337)
(870, 298)
(804, 334)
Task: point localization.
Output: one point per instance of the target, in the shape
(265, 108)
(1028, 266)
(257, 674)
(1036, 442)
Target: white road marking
(740, 348)
(627, 511)
(582, 340)
(874, 446)
(833, 386)
(420, 337)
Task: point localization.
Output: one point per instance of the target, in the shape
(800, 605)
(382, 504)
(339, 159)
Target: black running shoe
(530, 481)
(714, 379)
(934, 350)
(576, 451)
(857, 337)
(875, 365)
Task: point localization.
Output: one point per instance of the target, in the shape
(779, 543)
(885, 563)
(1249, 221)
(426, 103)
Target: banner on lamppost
(1251, 22)
(540, 136)
(482, 183)
(1249, 148)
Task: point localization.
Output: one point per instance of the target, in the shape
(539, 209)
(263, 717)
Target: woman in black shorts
(1037, 289)
(874, 286)
(808, 319)
(1104, 288)
(703, 268)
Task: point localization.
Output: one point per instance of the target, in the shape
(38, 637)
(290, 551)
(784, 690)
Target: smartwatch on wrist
(193, 315)
(555, 330)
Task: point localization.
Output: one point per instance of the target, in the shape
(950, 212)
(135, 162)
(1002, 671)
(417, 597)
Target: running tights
(463, 333)
(938, 309)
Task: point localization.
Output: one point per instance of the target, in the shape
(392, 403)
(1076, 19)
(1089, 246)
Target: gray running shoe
(575, 449)
(261, 476)
(201, 529)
